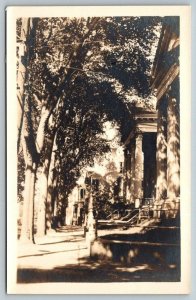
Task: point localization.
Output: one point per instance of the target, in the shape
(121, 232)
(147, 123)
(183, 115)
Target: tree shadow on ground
(152, 255)
(153, 235)
(153, 245)
(101, 271)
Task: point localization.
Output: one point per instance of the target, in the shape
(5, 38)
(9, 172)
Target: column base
(137, 203)
(157, 209)
(166, 208)
(171, 207)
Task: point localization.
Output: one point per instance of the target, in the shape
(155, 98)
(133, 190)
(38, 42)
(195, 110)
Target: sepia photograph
(97, 163)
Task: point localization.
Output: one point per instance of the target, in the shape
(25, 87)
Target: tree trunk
(25, 130)
(31, 159)
(40, 136)
(42, 148)
(42, 184)
(42, 192)
(25, 51)
(51, 189)
(21, 75)
(28, 205)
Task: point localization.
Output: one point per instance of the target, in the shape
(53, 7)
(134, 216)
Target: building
(152, 149)
(165, 82)
(140, 159)
(104, 177)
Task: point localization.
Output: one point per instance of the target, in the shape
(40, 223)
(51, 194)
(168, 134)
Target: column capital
(174, 89)
(138, 135)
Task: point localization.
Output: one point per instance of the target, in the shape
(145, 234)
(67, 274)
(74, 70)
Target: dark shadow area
(157, 246)
(161, 235)
(152, 256)
(137, 252)
(100, 271)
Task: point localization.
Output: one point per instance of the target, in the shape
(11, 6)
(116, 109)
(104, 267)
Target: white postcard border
(182, 287)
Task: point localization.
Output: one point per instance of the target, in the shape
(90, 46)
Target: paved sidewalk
(66, 245)
(53, 250)
(64, 256)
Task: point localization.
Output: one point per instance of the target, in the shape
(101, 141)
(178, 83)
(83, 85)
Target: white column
(161, 155)
(173, 149)
(132, 171)
(138, 173)
(128, 176)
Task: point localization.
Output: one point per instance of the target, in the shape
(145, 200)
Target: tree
(27, 29)
(77, 64)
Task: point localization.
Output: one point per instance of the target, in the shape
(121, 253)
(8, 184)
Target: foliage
(21, 171)
(85, 71)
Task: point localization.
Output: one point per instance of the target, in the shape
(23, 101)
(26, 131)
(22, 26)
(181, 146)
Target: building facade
(103, 179)
(152, 150)
(166, 83)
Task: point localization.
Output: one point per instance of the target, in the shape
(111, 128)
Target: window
(121, 167)
(95, 183)
(82, 193)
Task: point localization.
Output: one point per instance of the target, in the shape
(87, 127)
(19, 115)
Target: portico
(140, 159)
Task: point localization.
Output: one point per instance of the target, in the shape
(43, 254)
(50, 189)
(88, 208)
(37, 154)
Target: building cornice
(166, 82)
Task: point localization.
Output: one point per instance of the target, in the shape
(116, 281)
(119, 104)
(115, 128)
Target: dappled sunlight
(161, 153)
(172, 266)
(100, 270)
(173, 149)
(101, 250)
(134, 269)
(137, 254)
(101, 196)
(160, 178)
(161, 185)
